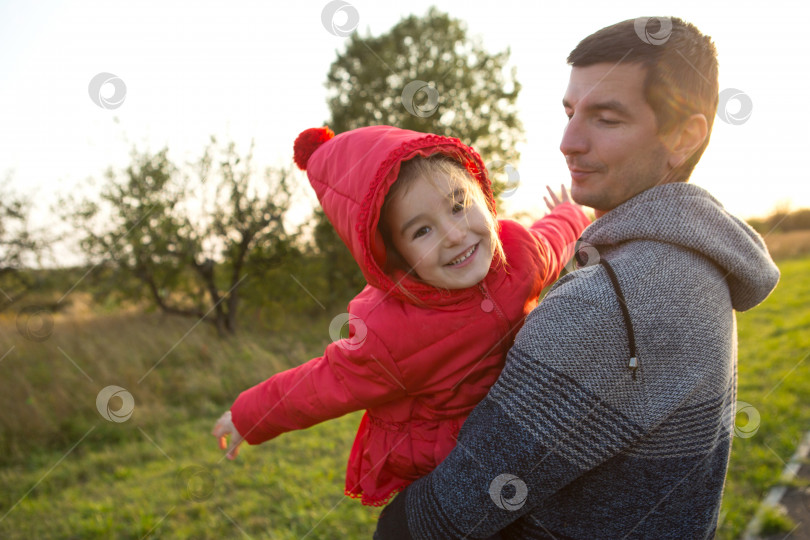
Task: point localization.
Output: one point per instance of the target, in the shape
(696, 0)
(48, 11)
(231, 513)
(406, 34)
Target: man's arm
(555, 413)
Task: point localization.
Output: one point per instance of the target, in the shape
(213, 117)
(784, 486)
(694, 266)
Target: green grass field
(774, 377)
(67, 472)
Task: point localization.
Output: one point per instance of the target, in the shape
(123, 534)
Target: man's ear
(685, 139)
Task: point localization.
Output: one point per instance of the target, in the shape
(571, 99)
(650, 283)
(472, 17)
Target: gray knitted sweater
(571, 442)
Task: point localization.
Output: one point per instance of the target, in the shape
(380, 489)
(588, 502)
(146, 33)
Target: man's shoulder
(587, 285)
(648, 264)
(653, 278)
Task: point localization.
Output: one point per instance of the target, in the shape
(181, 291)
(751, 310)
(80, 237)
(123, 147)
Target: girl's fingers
(565, 195)
(224, 429)
(233, 451)
(553, 201)
(553, 195)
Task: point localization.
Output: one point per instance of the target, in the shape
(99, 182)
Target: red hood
(351, 174)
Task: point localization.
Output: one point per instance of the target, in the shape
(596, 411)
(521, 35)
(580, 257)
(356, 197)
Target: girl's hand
(554, 202)
(222, 429)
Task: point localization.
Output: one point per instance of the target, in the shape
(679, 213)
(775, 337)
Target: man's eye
(421, 231)
(608, 122)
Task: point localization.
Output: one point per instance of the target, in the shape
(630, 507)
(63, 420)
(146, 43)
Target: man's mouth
(580, 171)
(463, 257)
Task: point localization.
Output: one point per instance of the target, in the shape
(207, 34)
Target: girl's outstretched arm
(350, 376)
(557, 232)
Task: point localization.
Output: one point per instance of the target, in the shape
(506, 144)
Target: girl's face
(441, 232)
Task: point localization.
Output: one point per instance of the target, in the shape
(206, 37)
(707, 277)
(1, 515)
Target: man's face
(610, 142)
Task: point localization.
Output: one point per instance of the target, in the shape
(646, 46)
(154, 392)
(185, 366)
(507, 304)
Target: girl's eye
(421, 231)
(458, 207)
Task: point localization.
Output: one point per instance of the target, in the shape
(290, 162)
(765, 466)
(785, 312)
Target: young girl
(448, 289)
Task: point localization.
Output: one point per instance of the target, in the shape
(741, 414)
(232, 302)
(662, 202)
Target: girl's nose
(455, 233)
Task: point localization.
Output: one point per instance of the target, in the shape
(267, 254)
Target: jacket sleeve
(554, 414)
(350, 376)
(556, 234)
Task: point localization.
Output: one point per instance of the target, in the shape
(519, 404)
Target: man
(614, 413)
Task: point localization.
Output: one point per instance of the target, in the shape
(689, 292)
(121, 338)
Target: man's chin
(580, 196)
(588, 202)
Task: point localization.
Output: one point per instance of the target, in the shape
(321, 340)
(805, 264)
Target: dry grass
(788, 245)
(170, 365)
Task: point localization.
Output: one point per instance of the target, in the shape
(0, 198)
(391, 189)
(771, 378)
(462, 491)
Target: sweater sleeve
(350, 376)
(564, 404)
(555, 235)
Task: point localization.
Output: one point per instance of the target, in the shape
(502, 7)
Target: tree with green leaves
(425, 74)
(19, 246)
(186, 239)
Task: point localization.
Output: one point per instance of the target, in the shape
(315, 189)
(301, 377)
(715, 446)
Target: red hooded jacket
(417, 364)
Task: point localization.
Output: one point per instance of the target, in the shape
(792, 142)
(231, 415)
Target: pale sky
(256, 70)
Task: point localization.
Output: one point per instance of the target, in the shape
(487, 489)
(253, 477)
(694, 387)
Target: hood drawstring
(633, 363)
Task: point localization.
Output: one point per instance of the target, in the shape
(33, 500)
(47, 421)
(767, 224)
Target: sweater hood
(688, 216)
(351, 175)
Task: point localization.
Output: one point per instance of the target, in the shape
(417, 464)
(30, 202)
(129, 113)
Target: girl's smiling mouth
(461, 259)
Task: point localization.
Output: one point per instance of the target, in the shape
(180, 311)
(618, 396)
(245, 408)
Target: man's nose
(574, 139)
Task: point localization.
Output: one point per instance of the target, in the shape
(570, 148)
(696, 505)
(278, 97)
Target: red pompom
(309, 141)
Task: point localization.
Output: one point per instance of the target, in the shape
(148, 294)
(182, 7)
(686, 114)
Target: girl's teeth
(463, 257)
